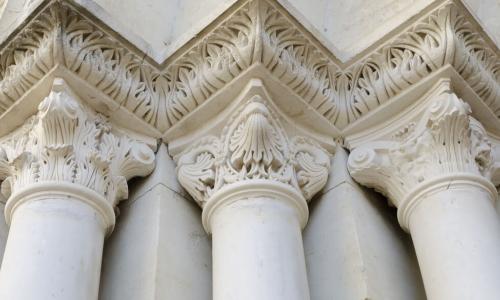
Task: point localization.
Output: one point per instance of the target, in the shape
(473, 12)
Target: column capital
(445, 147)
(252, 156)
(68, 148)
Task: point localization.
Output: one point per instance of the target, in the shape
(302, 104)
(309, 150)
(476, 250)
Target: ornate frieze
(253, 146)
(258, 32)
(446, 142)
(444, 37)
(66, 142)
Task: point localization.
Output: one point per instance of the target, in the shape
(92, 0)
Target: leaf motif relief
(68, 142)
(311, 176)
(253, 146)
(198, 178)
(4, 164)
(312, 165)
(196, 169)
(57, 163)
(257, 32)
(445, 141)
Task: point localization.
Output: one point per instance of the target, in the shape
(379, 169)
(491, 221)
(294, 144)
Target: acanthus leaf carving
(258, 32)
(67, 142)
(445, 142)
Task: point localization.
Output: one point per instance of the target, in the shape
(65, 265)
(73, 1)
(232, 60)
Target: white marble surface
(354, 246)
(13, 13)
(455, 232)
(258, 251)
(486, 12)
(158, 249)
(53, 251)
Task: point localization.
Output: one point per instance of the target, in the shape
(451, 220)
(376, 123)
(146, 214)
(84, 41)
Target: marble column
(257, 243)
(63, 172)
(437, 171)
(253, 183)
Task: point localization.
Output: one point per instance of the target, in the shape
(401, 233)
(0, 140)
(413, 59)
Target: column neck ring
(255, 188)
(70, 190)
(441, 183)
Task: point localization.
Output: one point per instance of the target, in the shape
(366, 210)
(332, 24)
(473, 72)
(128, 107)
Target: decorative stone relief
(258, 32)
(67, 142)
(253, 146)
(446, 141)
(444, 37)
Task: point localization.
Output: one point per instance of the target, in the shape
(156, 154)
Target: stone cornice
(256, 32)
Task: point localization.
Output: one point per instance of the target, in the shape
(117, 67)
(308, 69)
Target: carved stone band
(458, 181)
(257, 33)
(49, 190)
(254, 189)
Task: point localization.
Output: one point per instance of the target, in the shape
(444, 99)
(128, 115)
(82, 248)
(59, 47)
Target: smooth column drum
(258, 251)
(456, 232)
(54, 251)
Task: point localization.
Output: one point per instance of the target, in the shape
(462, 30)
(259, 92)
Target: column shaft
(63, 172)
(53, 251)
(253, 183)
(456, 233)
(258, 251)
(438, 171)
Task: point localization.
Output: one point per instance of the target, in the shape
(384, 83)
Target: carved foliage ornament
(446, 141)
(257, 32)
(66, 142)
(253, 146)
(444, 37)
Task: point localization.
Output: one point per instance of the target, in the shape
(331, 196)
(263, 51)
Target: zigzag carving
(257, 32)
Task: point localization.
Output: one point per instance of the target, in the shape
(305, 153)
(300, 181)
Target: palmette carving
(445, 142)
(67, 142)
(253, 146)
(258, 32)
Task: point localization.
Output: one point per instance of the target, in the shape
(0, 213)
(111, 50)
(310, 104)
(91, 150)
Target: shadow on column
(159, 249)
(354, 246)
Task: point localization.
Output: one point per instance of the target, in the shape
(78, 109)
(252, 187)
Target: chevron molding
(257, 32)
